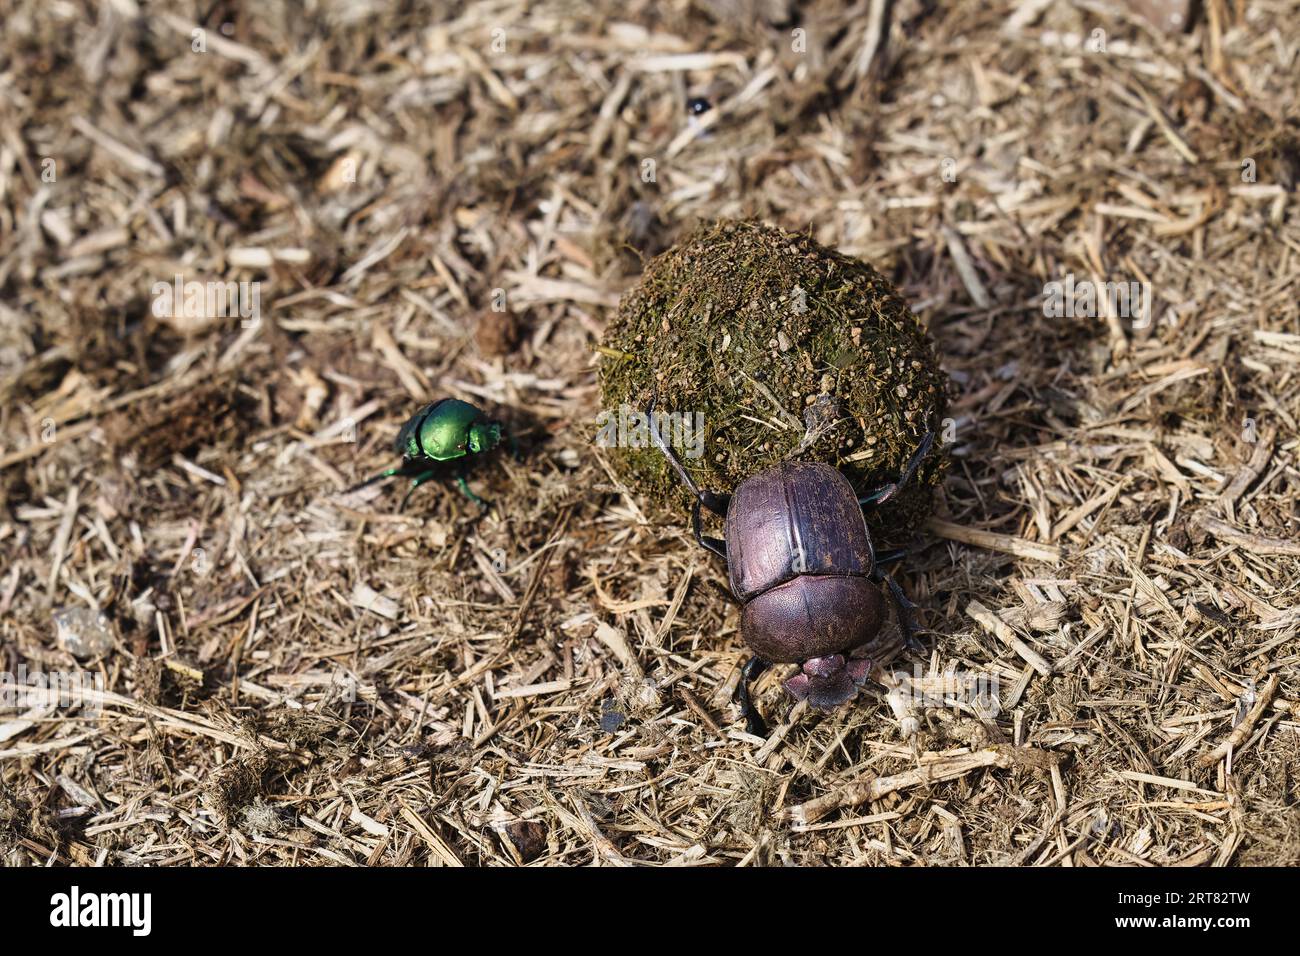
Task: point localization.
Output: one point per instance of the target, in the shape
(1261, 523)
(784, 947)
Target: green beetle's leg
(463, 485)
(416, 482)
(379, 477)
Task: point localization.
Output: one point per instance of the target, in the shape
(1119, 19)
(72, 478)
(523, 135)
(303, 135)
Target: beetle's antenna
(663, 446)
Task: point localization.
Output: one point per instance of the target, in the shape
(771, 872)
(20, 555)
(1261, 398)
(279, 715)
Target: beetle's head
(826, 682)
(484, 436)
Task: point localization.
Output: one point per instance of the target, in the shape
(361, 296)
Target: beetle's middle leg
(753, 719)
(416, 482)
(890, 556)
(463, 485)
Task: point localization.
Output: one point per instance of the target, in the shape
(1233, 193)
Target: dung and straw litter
(295, 678)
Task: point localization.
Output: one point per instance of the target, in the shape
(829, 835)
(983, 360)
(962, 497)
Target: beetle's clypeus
(801, 563)
(442, 439)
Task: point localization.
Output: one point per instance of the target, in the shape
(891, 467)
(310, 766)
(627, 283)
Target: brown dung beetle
(801, 563)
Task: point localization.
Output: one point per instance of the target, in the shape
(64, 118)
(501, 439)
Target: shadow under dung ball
(781, 349)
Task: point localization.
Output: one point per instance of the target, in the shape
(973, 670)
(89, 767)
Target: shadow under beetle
(801, 562)
(441, 440)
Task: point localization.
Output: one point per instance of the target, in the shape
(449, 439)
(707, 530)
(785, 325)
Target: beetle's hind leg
(753, 719)
(387, 473)
(906, 619)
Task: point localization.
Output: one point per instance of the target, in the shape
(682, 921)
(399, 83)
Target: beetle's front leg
(703, 499)
(716, 545)
(885, 492)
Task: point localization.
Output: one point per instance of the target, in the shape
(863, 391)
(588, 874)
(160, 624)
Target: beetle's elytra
(801, 562)
(795, 518)
(446, 429)
(800, 558)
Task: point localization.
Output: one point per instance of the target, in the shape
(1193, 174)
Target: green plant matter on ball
(785, 350)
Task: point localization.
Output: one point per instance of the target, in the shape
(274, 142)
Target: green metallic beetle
(440, 440)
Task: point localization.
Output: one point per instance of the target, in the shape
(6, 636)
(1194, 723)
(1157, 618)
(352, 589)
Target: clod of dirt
(497, 333)
(148, 673)
(236, 784)
(298, 729)
(206, 416)
(528, 838)
(22, 819)
(778, 349)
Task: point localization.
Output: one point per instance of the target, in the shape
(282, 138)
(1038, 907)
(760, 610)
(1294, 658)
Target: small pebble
(83, 632)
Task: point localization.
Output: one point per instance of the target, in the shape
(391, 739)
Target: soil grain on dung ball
(780, 348)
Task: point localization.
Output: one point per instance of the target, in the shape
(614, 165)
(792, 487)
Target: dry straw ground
(299, 677)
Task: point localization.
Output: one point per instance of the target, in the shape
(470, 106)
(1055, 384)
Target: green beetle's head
(484, 436)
